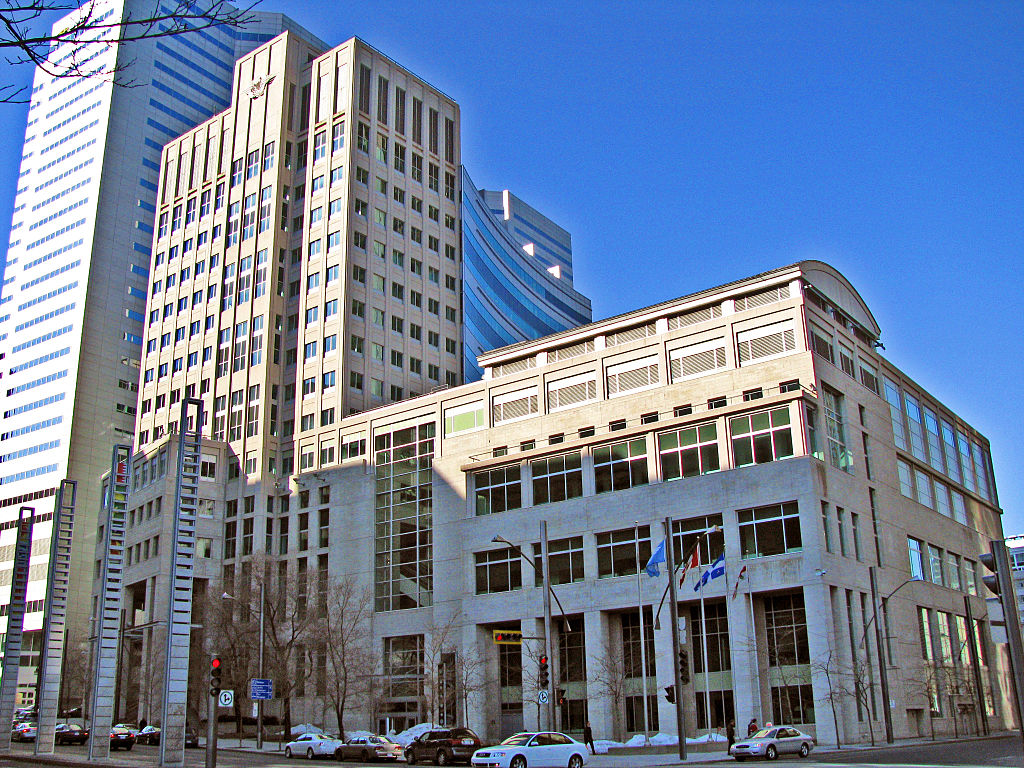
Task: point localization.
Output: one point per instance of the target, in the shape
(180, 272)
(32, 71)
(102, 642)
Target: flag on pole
(658, 556)
(743, 574)
(693, 562)
(713, 571)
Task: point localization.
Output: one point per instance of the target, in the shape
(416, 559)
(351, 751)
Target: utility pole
(670, 566)
(546, 578)
(883, 670)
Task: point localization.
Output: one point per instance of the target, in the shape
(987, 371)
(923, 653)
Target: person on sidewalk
(730, 733)
(752, 727)
(588, 737)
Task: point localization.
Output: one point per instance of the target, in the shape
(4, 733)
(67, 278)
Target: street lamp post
(262, 654)
(548, 594)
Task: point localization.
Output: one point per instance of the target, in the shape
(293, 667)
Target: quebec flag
(713, 571)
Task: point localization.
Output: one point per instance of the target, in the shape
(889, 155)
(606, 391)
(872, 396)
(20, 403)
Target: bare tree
(67, 50)
(610, 679)
(471, 674)
(829, 667)
(439, 654)
(345, 631)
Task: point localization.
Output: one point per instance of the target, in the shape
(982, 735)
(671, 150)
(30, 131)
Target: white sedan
(313, 745)
(533, 750)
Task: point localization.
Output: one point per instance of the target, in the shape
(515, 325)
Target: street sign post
(261, 689)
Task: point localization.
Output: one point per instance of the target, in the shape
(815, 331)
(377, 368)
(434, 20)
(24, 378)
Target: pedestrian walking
(730, 732)
(752, 727)
(588, 737)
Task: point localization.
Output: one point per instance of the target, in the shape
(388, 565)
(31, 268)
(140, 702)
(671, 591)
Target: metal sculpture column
(109, 620)
(15, 624)
(54, 615)
(179, 610)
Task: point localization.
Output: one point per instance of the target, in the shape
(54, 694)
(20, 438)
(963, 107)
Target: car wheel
(576, 761)
(441, 758)
(309, 753)
(410, 757)
(771, 753)
(288, 752)
(365, 756)
(518, 762)
(804, 750)
(740, 759)
(129, 747)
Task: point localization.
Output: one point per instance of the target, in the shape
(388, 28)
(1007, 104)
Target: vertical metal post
(179, 600)
(108, 622)
(211, 733)
(1011, 618)
(263, 645)
(55, 611)
(15, 624)
(883, 670)
(643, 646)
(670, 565)
(546, 578)
(972, 649)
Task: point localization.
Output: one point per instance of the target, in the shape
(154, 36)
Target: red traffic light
(544, 660)
(215, 663)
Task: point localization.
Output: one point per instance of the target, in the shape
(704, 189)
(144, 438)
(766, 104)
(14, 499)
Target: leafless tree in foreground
(26, 36)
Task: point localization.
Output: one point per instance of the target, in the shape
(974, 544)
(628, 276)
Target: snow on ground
(409, 734)
(349, 735)
(660, 739)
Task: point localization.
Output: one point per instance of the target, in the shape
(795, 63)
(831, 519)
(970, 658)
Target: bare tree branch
(71, 51)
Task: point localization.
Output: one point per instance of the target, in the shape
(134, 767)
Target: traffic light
(684, 666)
(991, 581)
(561, 697)
(542, 673)
(215, 671)
(670, 694)
(507, 637)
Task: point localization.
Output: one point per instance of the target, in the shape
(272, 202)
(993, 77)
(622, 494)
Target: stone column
(600, 707)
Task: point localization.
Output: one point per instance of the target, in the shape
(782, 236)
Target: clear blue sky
(686, 144)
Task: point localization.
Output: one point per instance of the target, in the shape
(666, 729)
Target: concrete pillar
(745, 646)
(600, 708)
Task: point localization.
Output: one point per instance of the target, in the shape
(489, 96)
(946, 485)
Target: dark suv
(443, 747)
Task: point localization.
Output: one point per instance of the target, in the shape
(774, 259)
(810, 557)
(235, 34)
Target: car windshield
(763, 733)
(518, 740)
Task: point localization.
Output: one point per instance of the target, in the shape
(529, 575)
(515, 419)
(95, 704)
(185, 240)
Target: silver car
(769, 743)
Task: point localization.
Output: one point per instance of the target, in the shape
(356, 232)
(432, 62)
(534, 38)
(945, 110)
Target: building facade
(759, 417)
(77, 270)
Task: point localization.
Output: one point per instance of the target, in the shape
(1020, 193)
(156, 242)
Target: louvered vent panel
(766, 346)
(699, 362)
(565, 353)
(573, 394)
(694, 316)
(515, 366)
(761, 298)
(629, 334)
(514, 409)
(634, 379)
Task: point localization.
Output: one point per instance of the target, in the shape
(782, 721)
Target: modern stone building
(760, 410)
(77, 270)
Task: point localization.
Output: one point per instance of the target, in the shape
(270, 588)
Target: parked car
(443, 747)
(148, 735)
(70, 733)
(24, 731)
(367, 748)
(536, 750)
(121, 738)
(769, 743)
(312, 745)
(129, 726)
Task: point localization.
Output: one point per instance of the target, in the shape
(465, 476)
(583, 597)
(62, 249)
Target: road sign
(542, 697)
(507, 636)
(226, 699)
(261, 688)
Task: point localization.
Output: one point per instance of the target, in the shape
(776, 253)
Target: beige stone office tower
(762, 407)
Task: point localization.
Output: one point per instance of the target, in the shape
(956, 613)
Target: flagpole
(753, 637)
(643, 648)
(704, 644)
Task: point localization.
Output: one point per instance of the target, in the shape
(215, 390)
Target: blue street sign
(261, 688)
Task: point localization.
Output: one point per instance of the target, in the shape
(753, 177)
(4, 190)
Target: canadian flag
(693, 562)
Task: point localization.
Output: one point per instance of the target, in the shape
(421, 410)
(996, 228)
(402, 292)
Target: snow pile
(301, 728)
(601, 746)
(659, 739)
(349, 735)
(410, 734)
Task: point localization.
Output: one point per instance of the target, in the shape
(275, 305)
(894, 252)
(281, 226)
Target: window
(906, 479)
(935, 564)
(620, 465)
(319, 145)
(759, 438)
(914, 547)
(770, 530)
(565, 561)
(821, 342)
(498, 571)
(689, 451)
(557, 478)
(498, 490)
(617, 553)
(838, 456)
(786, 630)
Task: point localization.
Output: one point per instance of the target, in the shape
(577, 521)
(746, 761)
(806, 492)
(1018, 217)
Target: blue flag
(658, 556)
(713, 571)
